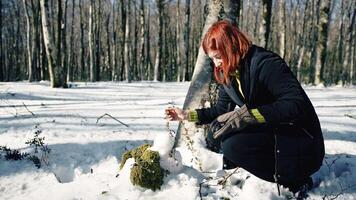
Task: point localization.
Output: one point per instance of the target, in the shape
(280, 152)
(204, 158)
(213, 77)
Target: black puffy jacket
(269, 85)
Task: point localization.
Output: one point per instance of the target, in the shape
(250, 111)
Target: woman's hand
(176, 114)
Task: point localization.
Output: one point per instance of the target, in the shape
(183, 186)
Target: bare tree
(28, 42)
(186, 41)
(142, 39)
(91, 40)
(323, 19)
(158, 62)
(49, 46)
(198, 92)
(265, 25)
(178, 42)
(127, 44)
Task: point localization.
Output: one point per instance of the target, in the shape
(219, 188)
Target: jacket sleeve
(290, 100)
(223, 105)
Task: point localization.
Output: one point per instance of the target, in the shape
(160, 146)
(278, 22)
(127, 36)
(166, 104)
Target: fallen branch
(343, 190)
(348, 115)
(220, 182)
(28, 109)
(106, 114)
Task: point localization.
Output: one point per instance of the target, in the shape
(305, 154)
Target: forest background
(134, 40)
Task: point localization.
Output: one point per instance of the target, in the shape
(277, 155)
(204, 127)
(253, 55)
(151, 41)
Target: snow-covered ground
(86, 149)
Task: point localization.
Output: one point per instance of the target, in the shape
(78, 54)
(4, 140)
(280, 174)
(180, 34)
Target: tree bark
(142, 40)
(97, 44)
(28, 42)
(1, 46)
(49, 46)
(281, 28)
(122, 37)
(70, 67)
(198, 92)
(178, 43)
(323, 28)
(351, 57)
(160, 7)
(265, 27)
(186, 41)
(91, 41)
(82, 44)
(127, 44)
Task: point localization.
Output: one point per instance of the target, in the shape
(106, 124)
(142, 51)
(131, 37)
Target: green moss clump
(134, 153)
(147, 171)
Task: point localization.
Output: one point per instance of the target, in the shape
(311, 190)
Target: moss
(134, 153)
(147, 171)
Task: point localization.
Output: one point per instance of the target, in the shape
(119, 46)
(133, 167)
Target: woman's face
(216, 57)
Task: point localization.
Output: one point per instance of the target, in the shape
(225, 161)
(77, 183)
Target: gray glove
(231, 122)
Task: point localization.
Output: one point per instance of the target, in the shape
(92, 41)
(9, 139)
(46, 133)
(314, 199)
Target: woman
(274, 133)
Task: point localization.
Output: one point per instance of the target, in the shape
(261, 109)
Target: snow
(86, 149)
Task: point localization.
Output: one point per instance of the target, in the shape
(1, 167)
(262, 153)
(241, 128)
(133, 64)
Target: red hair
(232, 45)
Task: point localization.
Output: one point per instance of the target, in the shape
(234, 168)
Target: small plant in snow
(39, 147)
(38, 144)
(10, 154)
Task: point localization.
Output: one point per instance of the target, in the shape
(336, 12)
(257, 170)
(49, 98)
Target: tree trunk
(97, 45)
(281, 28)
(114, 48)
(63, 27)
(351, 57)
(127, 44)
(134, 67)
(148, 46)
(91, 41)
(142, 39)
(178, 57)
(231, 9)
(198, 92)
(108, 46)
(70, 67)
(1, 47)
(49, 46)
(323, 28)
(266, 22)
(157, 68)
(28, 42)
(186, 41)
(82, 49)
(122, 37)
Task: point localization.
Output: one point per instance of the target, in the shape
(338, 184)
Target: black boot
(300, 190)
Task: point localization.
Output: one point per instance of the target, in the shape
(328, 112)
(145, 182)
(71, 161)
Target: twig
(348, 115)
(106, 114)
(220, 182)
(28, 109)
(223, 181)
(340, 193)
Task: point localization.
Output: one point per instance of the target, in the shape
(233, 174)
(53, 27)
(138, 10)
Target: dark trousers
(252, 150)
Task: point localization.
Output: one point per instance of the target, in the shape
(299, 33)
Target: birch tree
(178, 61)
(160, 7)
(198, 92)
(127, 45)
(142, 40)
(49, 46)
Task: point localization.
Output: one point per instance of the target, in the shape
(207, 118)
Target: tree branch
(106, 114)
(351, 116)
(28, 109)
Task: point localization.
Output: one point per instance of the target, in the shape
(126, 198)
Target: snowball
(172, 162)
(163, 143)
